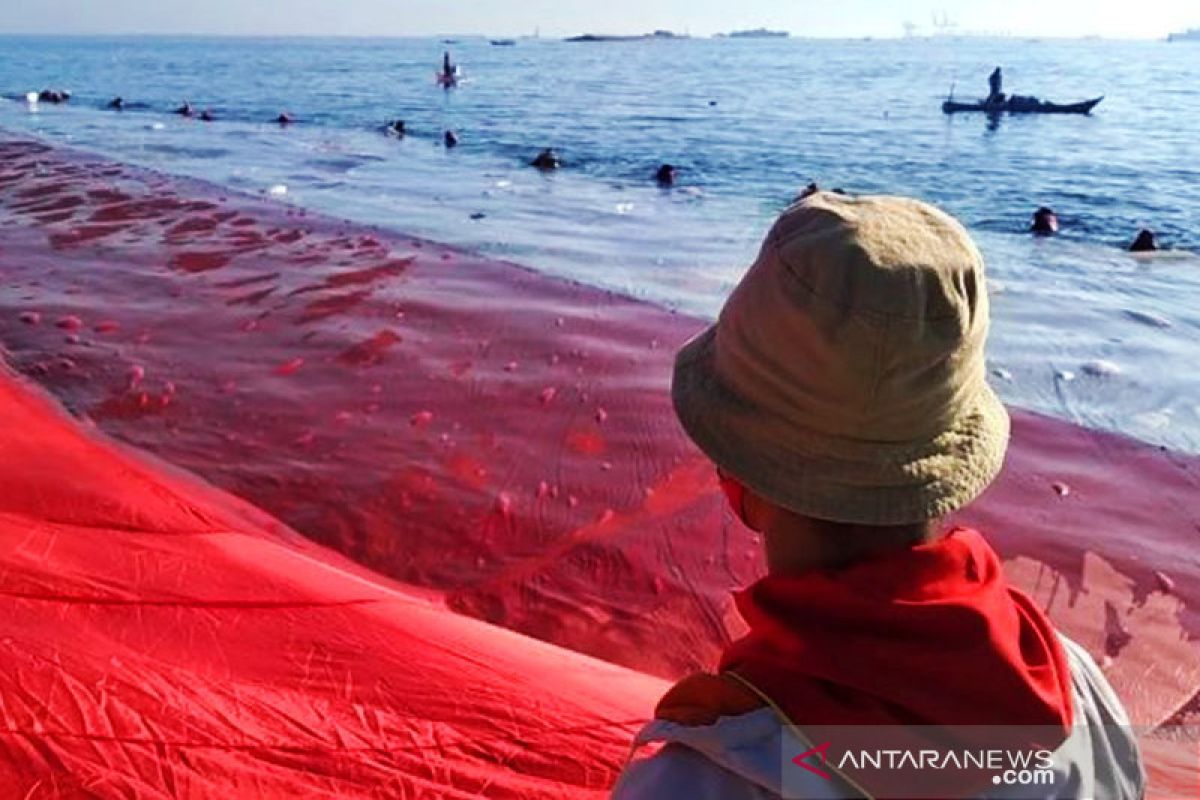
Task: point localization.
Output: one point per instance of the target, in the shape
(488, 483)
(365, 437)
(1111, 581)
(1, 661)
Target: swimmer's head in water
(666, 175)
(547, 159)
(450, 139)
(1145, 242)
(1045, 222)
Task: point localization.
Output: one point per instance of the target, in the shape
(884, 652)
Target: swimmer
(54, 96)
(1045, 222)
(450, 138)
(547, 160)
(666, 175)
(1144, 243)
(449, 75)
(807, 191)
(185, 110)
(285, 118)
(395, 128)
(206, 116)
(117, 104)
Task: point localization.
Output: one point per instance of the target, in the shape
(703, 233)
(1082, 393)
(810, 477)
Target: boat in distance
(1022, 105)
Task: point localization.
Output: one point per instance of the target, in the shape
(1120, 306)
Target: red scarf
(932, 635)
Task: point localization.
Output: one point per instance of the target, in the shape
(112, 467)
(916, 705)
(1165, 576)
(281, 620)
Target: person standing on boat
(995, 87)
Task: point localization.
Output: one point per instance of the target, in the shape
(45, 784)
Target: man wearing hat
(842, 396)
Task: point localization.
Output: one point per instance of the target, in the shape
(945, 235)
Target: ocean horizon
(1084, 331)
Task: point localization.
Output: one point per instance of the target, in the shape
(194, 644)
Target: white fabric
(739, 758)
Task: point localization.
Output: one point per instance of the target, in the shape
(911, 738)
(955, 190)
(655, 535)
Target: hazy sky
(1118, 18)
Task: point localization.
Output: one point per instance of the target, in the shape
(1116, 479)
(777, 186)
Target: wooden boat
(1022, 105)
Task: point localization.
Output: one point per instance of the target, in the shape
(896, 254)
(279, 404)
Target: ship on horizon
(1191, 35)
(756, 33)
(599, 37)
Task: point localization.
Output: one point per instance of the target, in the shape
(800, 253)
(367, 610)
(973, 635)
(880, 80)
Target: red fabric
(379, 395)
(735, 494)
(932, 635)
(162, 639)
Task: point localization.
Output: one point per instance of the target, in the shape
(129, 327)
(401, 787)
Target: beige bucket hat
(845, 377)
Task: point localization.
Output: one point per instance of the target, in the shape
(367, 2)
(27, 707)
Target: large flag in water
(474, 454)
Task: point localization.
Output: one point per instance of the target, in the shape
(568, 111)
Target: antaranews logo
(822, 751)
(1011, 767)
(840, 762)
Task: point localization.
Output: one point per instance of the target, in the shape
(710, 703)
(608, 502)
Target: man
(995, 87)
(842, 394)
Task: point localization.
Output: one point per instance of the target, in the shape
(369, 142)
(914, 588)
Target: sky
(1109, 18)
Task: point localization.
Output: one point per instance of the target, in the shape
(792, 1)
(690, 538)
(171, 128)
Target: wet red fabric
(160, 639)
(931, 635)
(463, 429)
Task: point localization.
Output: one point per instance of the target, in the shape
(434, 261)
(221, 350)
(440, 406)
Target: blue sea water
(1082, 329)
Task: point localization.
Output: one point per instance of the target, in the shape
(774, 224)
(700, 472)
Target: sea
(1083, 330)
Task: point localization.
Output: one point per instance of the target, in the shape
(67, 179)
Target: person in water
(847, 453)
(185, 110)
(546, 160)
(450, 139)
(285, 118)
(807, 191)
(395, 128)
(1144, 243)
(1045, 222)
(117, 104)
(995, 87)
(206, 115)
(54, 96)
(666, 175)
(449, 74)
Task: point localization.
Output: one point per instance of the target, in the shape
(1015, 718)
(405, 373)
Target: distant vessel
(503, 42)
(1192, 35)
(1022, 105)
(759, 33)
(598, 37)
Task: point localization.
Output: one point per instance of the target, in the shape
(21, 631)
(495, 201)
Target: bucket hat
(845, 376)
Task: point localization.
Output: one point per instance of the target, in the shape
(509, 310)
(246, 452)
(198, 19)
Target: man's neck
(797, 545)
